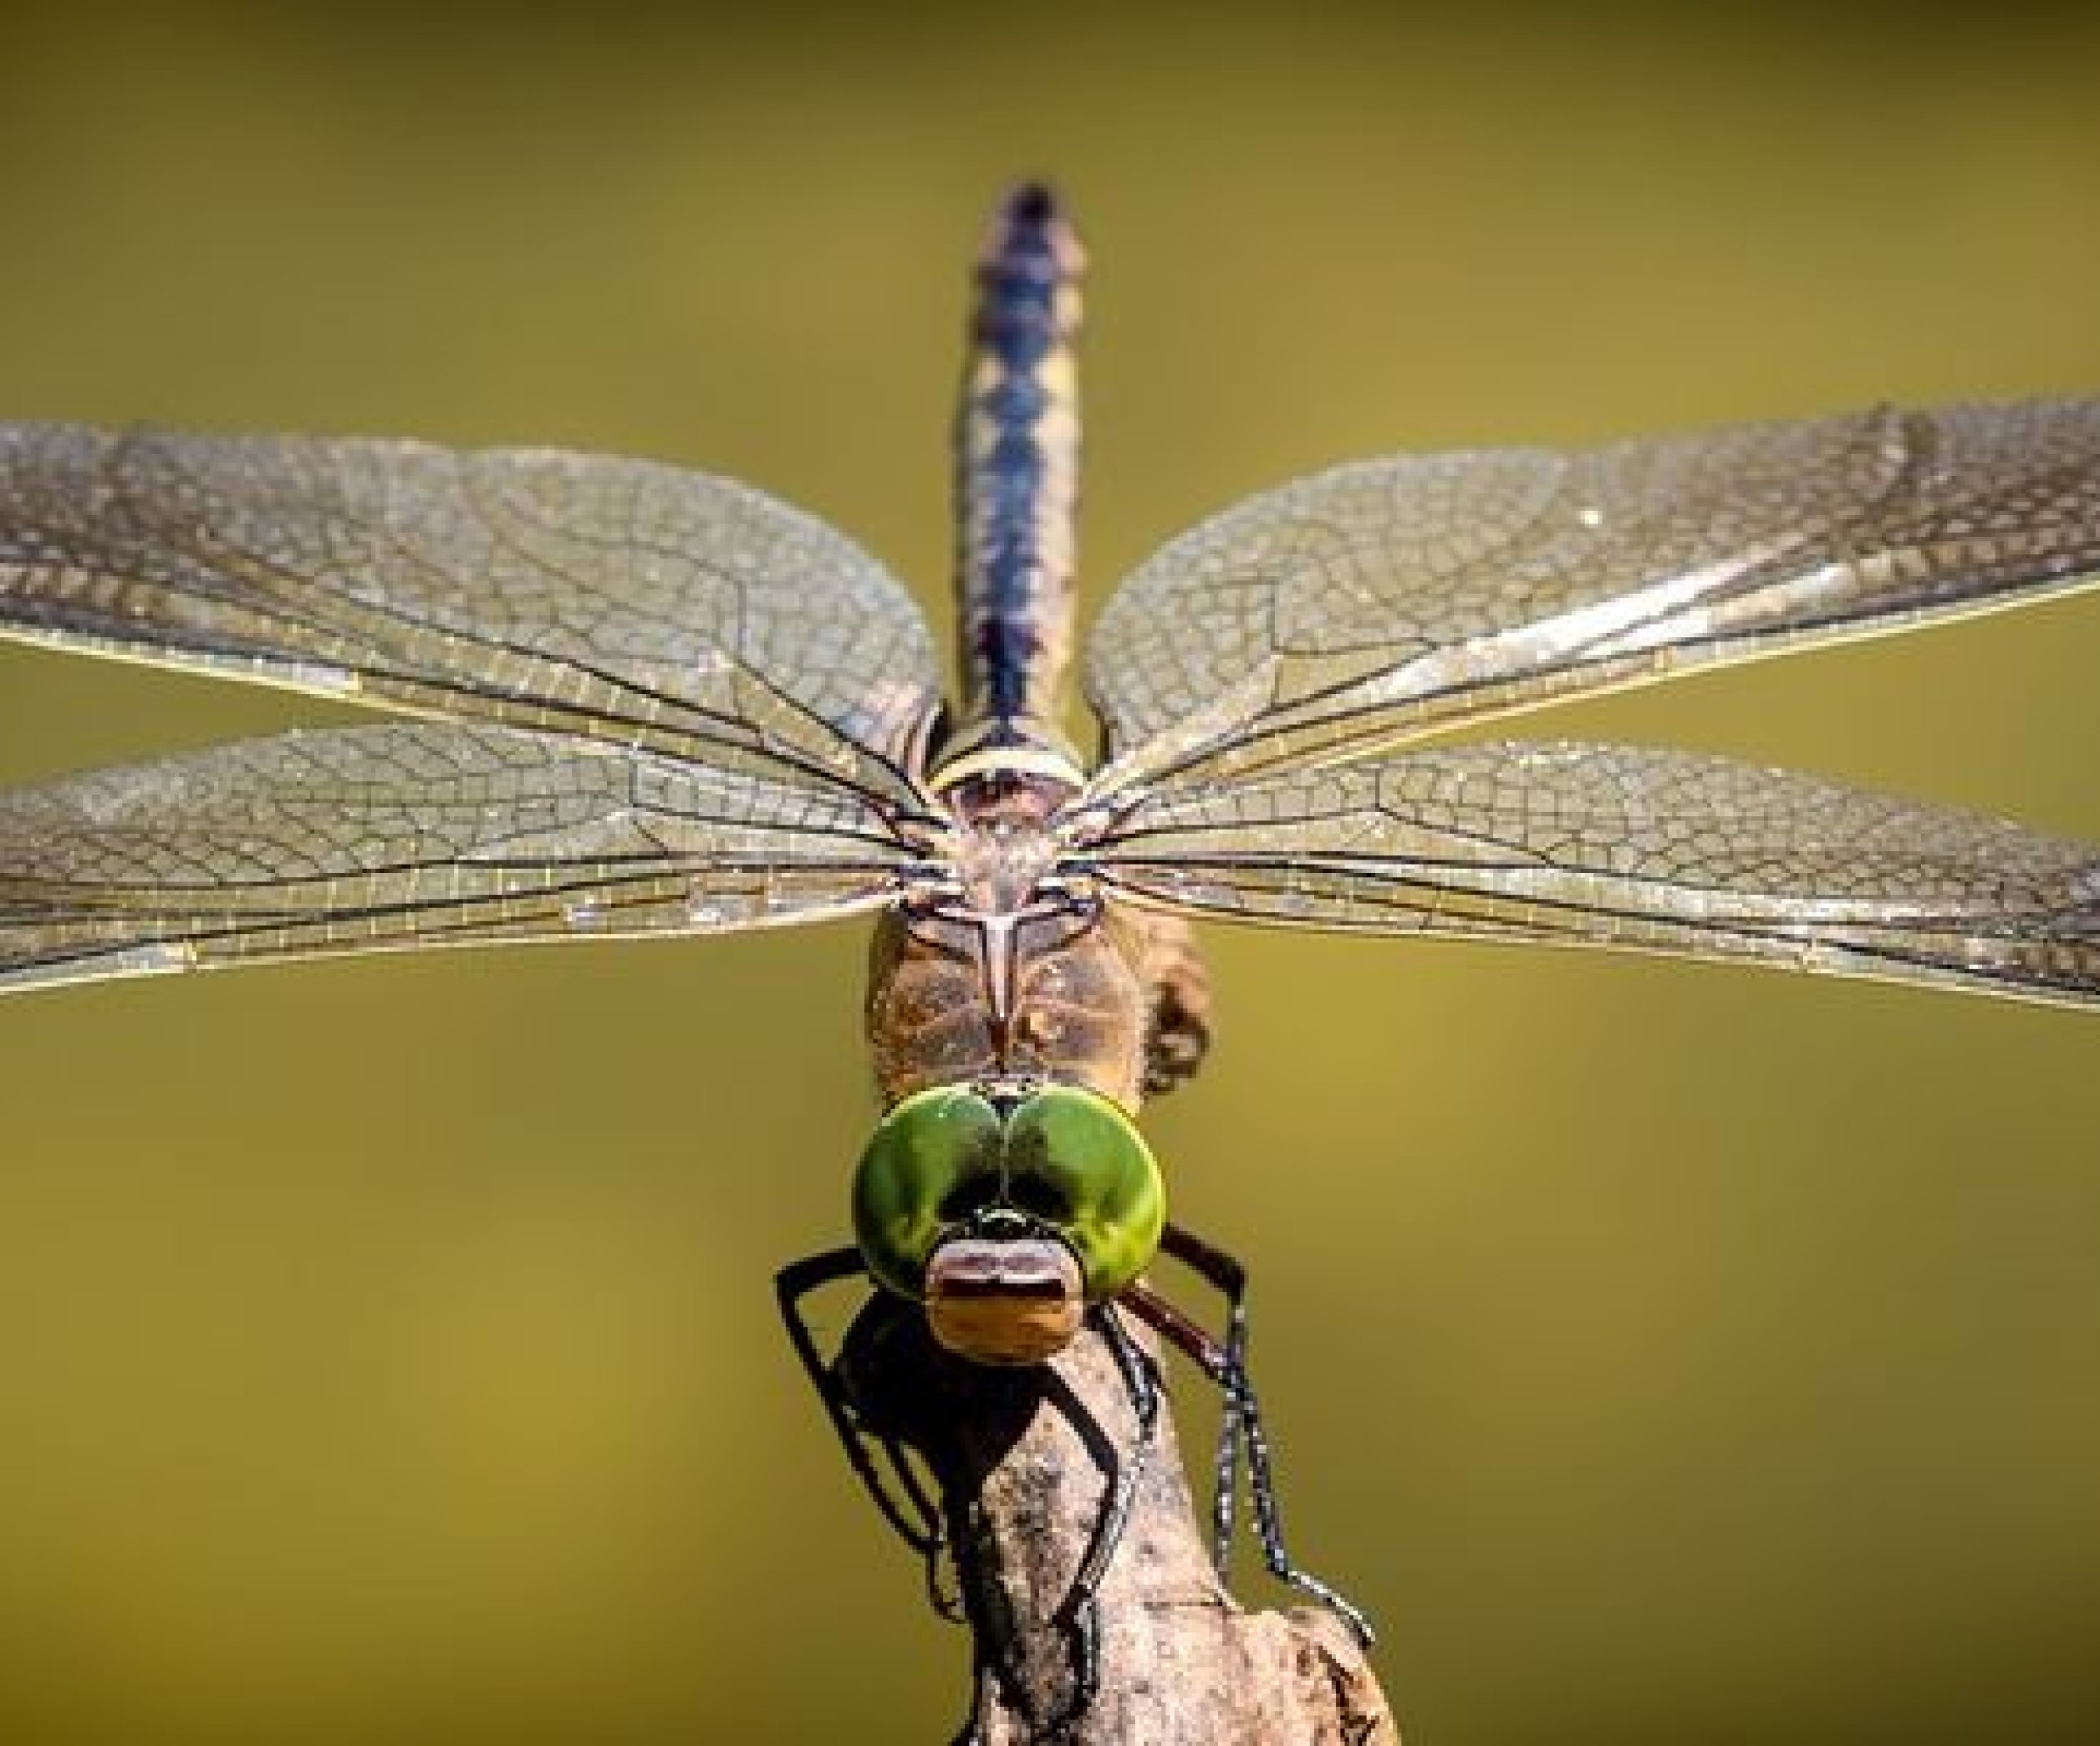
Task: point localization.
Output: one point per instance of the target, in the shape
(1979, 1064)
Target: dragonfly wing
(407, 834)
(1640, 850)
(619, 600)
(1354, 609)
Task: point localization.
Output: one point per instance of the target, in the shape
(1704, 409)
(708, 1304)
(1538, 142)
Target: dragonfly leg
(1225, 1362)
(1078, 1615)
(893, 1483)
(1141, 1379)
(1223, 1273)
(1216, 1362)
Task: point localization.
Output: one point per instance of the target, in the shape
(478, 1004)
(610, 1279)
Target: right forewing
(619, 601)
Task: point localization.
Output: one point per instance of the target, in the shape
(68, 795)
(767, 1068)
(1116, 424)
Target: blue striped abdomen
(1016, 480)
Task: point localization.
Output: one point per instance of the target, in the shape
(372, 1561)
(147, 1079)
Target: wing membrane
(618, 600)
(1365, 606)
(410, 834)
(1639, 849)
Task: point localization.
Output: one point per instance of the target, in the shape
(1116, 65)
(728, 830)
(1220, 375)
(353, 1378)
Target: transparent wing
(1361, 607)
(1619, 846)
(409, 834)
(618, 600)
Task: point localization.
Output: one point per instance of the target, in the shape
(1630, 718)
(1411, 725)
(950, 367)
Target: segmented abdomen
(1016, 477)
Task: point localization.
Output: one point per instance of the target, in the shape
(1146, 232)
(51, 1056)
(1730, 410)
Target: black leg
(1142, 1384)
(894, 1485)
(1194, 1342)
(1224, 1274)
(1079, 1613)
(1225, 1362)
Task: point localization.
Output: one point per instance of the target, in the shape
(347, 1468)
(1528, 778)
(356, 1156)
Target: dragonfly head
(1005, 1210)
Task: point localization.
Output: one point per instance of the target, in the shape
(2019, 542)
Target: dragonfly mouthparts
(1008, 1298)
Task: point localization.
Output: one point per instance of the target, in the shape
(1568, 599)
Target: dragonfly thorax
(1004, 850)
(1007, 972)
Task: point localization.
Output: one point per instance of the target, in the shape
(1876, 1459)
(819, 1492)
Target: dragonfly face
(1005, 1207)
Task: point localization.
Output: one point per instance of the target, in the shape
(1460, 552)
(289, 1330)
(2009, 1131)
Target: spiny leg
(1195, 1343)
(901, 1498)
(1226, 1364)
(1268, 1524)
(1228, 1277)
(1141, 1379)
(1079, 1613)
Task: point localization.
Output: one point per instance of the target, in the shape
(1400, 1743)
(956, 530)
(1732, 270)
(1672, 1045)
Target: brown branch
(1024, 1460)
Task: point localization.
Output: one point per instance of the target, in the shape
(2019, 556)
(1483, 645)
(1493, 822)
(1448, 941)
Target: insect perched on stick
(640, 701)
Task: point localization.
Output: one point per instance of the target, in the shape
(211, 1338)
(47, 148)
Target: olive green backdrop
(1662, 1354)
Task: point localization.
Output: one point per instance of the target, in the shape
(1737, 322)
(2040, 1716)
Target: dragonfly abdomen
(1016, 479)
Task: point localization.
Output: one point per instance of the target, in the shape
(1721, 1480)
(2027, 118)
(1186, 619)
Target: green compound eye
(1078, 1158)
(921, 1155)
(1067, 1162)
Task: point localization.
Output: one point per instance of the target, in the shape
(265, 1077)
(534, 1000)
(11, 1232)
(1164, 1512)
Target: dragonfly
(634, 701)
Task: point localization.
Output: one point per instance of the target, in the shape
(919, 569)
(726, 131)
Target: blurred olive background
(1661, 1354)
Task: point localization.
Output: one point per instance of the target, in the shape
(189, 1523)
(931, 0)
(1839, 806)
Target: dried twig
(1025, 1459)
